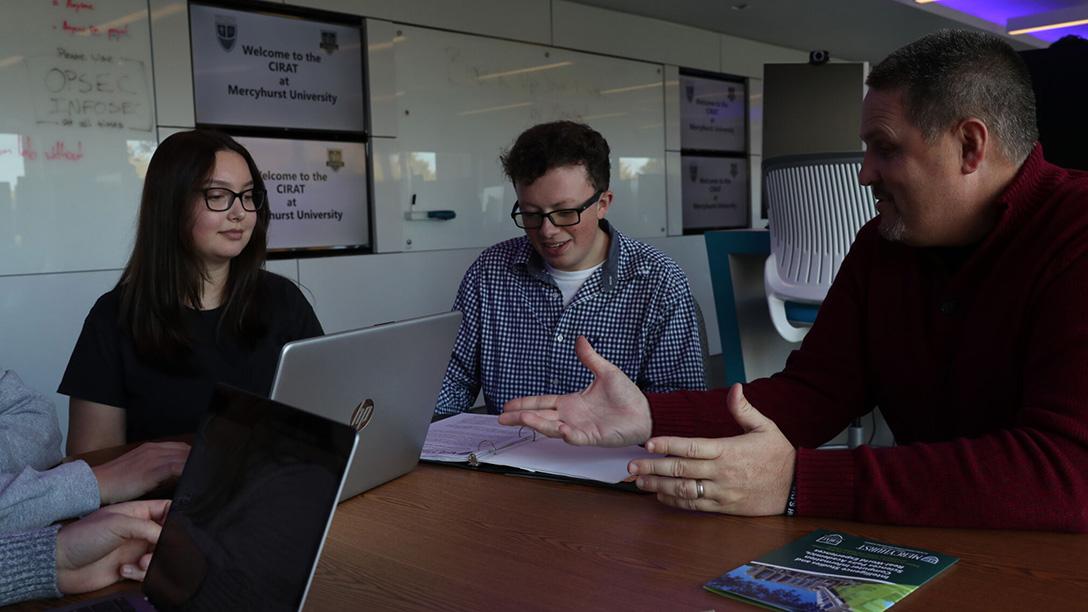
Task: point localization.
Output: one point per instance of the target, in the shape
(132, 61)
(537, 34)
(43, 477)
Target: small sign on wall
(280, 72)
(714, 192)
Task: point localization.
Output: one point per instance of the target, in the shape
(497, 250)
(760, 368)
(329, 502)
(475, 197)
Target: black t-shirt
(162, 400)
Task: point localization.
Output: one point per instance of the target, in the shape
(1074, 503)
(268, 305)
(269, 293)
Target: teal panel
(719, 246)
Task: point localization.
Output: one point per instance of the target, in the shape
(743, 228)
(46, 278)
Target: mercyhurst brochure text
(828, 570)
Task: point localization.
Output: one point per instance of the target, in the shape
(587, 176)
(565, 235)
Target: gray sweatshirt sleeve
(31, 494)
(30, 499)
(29, 432)
(28, 565)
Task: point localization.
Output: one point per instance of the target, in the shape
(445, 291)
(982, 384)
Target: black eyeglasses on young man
(559, 218)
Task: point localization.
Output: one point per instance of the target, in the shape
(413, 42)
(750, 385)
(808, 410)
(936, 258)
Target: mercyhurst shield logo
(226, 30)
(336, 159)
(328, 41)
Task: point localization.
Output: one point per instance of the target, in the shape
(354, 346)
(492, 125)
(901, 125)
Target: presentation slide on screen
(269, 71)
(317, 192)
(714, 192)
(712, 114)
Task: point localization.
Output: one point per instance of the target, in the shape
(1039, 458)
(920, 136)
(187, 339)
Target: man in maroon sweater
(961, 311)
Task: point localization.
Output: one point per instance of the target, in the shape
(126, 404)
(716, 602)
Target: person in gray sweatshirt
(36, 489)
(112, 544)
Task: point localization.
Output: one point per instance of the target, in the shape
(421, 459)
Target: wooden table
(454, 539)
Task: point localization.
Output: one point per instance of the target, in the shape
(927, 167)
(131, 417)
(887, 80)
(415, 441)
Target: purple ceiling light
(999, 12)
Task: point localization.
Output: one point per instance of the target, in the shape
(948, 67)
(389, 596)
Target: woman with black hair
(193, 307)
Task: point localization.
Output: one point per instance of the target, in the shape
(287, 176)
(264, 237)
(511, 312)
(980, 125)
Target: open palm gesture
(611, 411)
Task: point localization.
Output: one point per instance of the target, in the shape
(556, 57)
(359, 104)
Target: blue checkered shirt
(517, 338)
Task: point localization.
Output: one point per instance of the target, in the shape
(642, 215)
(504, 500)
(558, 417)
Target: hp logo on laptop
(362, 414)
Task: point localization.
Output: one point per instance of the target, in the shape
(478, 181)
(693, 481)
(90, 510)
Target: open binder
(477, 440)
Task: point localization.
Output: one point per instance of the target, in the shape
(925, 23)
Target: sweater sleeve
(807, 409)
(1030, 475)
(28, 427)
(30, 499)
(28, 565)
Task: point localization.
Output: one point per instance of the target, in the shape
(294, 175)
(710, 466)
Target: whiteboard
(463, 99)
(77, 130)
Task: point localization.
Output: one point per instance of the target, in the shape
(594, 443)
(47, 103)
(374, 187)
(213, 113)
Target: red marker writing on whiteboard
(60, 151)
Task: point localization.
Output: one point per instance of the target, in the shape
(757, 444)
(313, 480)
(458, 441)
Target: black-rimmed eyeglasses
(559, 218)
(219, 199)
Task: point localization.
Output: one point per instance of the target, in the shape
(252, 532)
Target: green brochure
(828, 570)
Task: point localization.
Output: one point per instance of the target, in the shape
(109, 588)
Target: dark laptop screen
(251, 508)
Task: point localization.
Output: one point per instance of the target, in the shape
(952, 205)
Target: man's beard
(894, 231)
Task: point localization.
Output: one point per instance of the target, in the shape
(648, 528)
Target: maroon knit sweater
(979, 367)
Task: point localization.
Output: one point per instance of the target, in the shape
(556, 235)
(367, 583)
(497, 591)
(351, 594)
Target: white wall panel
(755, 186)
(755, 116)
(172, 63)
(389, 186)
(381, 38)
(744, 57)
(527, 20)
(672, 108)
(284, 267)
(603, 31)
(674, 193)
(166, 132)
(353, 292)
(40, 318)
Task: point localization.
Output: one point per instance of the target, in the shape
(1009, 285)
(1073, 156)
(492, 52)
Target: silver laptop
(382, 380)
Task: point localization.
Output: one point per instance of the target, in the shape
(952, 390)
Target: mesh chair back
(815, 208)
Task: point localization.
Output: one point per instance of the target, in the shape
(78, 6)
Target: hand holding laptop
(112, 543)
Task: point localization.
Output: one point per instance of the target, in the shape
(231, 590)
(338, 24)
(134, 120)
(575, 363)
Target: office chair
(815, 208)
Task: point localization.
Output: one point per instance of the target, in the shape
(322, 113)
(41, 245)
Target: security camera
(818, 56)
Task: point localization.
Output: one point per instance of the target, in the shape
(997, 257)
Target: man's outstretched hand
(611, 411)
(748, 475)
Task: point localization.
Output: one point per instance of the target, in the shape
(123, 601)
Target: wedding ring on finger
(700, 492)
